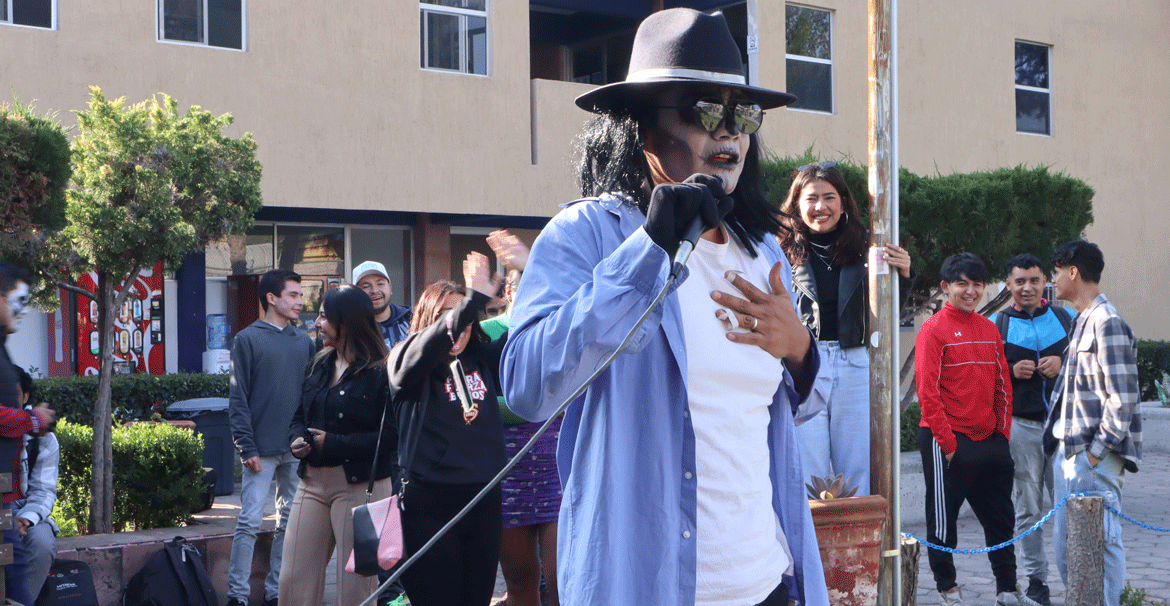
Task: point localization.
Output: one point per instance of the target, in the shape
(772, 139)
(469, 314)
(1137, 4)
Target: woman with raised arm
(445, 377)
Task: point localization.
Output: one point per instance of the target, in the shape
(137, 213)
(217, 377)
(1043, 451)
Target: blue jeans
(16, 573)
(1075, 475)
(253, 493)
(836, 440)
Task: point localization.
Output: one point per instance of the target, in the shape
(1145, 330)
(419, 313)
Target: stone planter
(849, 532)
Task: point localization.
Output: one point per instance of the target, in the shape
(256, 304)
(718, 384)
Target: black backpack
(174, 576)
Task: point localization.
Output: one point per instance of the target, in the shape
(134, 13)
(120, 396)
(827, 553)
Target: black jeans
(460, 569)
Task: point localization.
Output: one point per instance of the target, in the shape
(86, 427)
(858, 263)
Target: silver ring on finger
(755, 324)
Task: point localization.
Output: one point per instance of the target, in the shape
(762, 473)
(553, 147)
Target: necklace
(826, 257)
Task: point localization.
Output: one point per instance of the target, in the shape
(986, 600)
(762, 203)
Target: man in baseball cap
(394, 320)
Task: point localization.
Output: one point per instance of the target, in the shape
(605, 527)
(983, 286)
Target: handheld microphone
(687, 245)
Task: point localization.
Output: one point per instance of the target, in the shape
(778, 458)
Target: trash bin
(211, 420)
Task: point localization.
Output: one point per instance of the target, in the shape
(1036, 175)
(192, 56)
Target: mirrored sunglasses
(745, 117)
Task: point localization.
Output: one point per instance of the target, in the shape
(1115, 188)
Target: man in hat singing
(681, 473)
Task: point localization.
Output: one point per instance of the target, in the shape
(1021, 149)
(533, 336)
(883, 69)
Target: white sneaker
(1014, 598)
(954, 597)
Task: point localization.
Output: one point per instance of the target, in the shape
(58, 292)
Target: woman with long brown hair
(445, 377)
(826, 242)
(333, 433)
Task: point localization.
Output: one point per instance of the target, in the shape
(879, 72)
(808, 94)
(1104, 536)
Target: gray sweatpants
(1031, 493)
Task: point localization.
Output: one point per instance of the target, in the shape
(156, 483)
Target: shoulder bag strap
(418, 414)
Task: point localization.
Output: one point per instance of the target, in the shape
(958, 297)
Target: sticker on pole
(878, 266)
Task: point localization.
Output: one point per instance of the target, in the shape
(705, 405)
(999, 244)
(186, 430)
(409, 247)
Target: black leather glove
(674, 205)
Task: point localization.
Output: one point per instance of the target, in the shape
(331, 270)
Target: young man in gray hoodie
(268, 368)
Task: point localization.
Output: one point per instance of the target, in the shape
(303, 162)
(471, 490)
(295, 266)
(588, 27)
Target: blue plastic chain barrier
(1012, 540)
(1131, 520)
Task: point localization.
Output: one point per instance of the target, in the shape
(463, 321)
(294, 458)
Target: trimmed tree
(150, 186)
(34, 173)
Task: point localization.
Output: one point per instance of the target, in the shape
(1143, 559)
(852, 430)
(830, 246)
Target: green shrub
(133, 397)
(1153, 359)
(910, 418)
(76, 473)
(158, 471)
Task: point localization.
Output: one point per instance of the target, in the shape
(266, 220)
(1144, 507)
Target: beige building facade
(438, 120)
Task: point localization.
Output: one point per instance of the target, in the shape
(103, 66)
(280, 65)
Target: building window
(33, 13)
(1033, 92)
(809, 55)
(208, 22)
(454, 35)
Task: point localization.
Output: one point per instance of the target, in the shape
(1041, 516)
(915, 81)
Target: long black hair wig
(610, 159)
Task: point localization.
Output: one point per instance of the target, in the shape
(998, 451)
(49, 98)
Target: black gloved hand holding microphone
(681, 212)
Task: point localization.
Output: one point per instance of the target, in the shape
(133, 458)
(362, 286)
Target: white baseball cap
(366, 268)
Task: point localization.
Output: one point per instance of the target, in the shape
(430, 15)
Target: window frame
(463, 14)
(7, 20)
(832, 52)
(1035, 89)
(159, 28)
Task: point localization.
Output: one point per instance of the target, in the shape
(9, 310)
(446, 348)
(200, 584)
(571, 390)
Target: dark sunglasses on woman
(709, 114)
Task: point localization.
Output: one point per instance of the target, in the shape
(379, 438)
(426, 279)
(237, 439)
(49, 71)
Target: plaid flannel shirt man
(1099, 397)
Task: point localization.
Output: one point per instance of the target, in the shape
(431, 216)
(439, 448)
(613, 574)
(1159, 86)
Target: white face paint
(18, 300)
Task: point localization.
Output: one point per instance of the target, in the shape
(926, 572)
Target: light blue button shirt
(627, 447)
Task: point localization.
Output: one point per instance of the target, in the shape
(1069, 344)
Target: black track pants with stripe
(981, 474)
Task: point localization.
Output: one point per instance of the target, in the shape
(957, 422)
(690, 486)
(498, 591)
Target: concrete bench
(115, 558)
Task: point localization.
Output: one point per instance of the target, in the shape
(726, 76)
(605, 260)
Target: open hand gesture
(511, 251)
(478, 276)
(771, 320)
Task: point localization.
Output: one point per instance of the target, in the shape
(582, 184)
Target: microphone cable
(523, 451)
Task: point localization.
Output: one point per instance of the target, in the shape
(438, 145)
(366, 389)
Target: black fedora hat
(680, 45)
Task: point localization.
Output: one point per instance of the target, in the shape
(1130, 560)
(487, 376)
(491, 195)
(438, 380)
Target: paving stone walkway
(1146, 498)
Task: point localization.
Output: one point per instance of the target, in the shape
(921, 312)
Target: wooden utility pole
(883, 309)
(1086, 551)
(6, 522)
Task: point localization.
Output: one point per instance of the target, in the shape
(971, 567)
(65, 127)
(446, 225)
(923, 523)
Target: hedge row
(132, 397)
(1153, 360)
(158, 476)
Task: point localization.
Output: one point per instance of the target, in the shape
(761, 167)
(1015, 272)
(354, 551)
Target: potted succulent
(849, 533)
(1163, 389)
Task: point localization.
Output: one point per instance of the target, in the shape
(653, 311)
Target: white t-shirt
(742, 552)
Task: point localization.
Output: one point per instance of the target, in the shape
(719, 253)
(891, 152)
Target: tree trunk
(910, 552)
(1086, 551)
(101, 508)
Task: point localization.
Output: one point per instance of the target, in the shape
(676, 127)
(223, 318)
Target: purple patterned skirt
(532, 491)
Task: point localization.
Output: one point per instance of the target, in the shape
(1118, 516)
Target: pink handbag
(377, 526)
(377, 537)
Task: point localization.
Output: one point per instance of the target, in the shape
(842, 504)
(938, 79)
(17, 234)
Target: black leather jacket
(351, 426)
(852, 297)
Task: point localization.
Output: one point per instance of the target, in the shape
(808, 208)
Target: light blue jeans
(836, 439)
(1031, 493)
(253, 493)
(1075, 475)
(41, 546)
